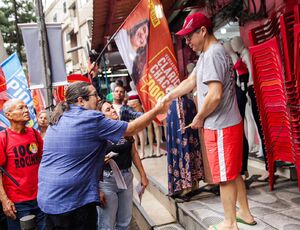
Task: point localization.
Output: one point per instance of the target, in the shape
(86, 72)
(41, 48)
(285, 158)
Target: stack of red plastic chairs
(277, 84)
(295, 105)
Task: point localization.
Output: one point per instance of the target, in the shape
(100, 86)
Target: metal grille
(211, 220)
(169, 227)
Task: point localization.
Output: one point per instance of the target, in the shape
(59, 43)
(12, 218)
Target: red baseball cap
(193, 22)
(133, 97)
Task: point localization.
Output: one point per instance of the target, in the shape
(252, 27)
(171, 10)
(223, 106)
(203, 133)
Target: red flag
(38, 100)
(3, 95)
(59, 93)
(146, 47)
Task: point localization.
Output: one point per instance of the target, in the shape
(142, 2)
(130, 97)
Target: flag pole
(111, 38)
(44, 49)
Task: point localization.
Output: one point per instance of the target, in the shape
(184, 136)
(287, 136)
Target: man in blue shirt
(74, 149)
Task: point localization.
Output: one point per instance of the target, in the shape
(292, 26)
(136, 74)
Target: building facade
(76, 17)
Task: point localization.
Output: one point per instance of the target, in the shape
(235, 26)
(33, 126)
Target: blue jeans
(27, 208)
(118, 210)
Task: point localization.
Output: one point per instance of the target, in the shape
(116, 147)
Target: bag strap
(6, 140)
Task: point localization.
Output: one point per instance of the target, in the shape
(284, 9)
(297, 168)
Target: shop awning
(108, 15)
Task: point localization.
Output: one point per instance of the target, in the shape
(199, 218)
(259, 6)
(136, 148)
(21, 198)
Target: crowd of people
(75, 171)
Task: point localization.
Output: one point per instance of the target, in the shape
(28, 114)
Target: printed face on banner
(140, 37)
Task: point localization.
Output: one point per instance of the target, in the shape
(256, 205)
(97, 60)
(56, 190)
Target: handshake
(163, 104)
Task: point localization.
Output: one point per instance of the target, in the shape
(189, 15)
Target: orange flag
(146, 47)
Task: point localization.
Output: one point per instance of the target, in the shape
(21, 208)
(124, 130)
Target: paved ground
(279, 209)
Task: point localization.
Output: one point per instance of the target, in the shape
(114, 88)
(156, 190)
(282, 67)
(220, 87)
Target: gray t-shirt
(216, 65)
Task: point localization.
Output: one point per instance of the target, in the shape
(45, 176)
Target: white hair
(10, 103)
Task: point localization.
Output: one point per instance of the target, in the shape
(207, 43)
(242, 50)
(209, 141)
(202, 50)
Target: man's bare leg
(244, 211)
(228, 192)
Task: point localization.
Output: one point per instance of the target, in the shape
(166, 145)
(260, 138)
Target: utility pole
(44, 48)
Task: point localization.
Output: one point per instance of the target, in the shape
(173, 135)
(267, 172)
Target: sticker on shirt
(33, 148)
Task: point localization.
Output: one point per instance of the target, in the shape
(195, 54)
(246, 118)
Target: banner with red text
(146, 47)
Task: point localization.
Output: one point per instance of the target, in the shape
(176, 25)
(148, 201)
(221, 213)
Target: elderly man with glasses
(20, 155)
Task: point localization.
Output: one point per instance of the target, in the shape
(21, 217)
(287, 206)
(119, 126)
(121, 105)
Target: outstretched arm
(144, 120)
(184, 87)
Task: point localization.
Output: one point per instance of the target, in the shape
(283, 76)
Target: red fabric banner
(146, 47)
(38, 100)
(59, 93)
(77, 77)
(3, 95)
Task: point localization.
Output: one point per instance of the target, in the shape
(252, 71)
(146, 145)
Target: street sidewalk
(278, 209)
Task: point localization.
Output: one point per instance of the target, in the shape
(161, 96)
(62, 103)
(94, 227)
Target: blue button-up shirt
(73, 157)
(127, 113)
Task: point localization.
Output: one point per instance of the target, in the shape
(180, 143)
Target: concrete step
(287, 171)
(159, 192)
(150, 213)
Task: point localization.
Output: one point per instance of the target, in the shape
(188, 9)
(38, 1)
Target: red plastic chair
(272, 102)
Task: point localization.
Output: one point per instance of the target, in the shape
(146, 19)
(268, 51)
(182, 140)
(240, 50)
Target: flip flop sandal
(240, 220)
(214, 227)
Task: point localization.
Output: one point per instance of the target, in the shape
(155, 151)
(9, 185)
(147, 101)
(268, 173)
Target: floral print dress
(184, 153)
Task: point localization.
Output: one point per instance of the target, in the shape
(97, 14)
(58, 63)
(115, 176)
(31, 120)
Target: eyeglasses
(190, 35)
(93, 94)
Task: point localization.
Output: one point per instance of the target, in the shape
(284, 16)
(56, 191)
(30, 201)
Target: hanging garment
(185, 165)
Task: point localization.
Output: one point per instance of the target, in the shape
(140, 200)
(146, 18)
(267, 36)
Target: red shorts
(224, 150)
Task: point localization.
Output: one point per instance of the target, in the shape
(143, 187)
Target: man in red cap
(218, 116)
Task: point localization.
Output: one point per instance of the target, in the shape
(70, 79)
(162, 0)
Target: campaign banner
(17, 87)
(146, 47)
